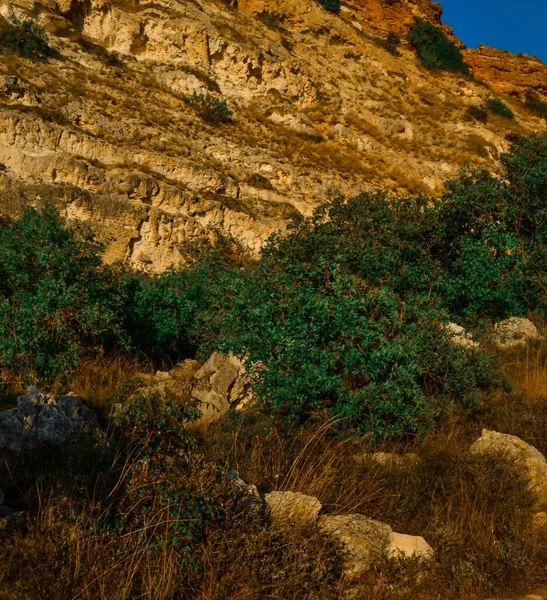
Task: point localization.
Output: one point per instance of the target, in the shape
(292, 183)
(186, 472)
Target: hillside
(109, 132)
(352, 408)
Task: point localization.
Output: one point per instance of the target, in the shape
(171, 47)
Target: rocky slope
(319, 105)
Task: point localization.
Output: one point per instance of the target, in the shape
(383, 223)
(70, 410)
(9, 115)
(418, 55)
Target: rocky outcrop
(319, 106)
(42, 419)
(459, 336)
(219, 385)
(508, 73)
(527, 459)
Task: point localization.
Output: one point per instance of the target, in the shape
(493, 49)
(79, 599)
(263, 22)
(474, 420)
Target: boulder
(39, 418)
(364, 541)
(219, 385)
(515, 332)
(530, 462)
(290, 508)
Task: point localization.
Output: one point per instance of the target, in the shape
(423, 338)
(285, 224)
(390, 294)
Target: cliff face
(508, 73)
(109, 134)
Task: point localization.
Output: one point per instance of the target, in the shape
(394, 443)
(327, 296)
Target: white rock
(514, 332)
(459, 336)
(366, 540)
(529, 460)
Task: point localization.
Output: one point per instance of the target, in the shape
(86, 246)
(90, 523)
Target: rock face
(318, 103)
(289, 508)
(527, 459)
(506, 72)
(40, 419)
(365, 540)
(515, 332)
(219, 385)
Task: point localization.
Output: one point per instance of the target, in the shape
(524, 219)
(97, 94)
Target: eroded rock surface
(219, 385)
(110, 136)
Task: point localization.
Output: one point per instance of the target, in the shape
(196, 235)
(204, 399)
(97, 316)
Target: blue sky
(515, 25)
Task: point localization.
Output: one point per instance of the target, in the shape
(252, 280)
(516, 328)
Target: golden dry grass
(474, 511)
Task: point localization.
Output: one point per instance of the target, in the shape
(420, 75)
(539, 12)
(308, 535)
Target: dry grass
(474, 511)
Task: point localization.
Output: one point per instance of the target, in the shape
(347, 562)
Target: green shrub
(392, 43)
(332, 5)
(435, 50)
(498, 107)
(534, 104)
(337, 319)
(477, 113)
(158, 313)
(25, 38)
(210, 108)
(56, 300)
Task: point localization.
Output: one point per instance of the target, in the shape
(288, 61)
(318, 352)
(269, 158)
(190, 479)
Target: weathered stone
(515, 332)
(530, 462)
(42, 419)
(292, 508)
(539, 520)
(10, 520)
(364, 541)
(408, 546)
(151, 180)
(219, 385)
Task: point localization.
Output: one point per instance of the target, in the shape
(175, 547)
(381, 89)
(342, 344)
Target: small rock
(533, 597)
(407, 546)
(515, 332)
(290, 508)
(459, 336)
(539, 520)
(389, 459)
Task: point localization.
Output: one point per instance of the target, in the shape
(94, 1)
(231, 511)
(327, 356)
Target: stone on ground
(527, 459)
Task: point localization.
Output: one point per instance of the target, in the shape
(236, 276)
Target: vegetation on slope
(342, 320)
(435, 50)
(343, 316)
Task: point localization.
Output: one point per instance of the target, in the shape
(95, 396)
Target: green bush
(392, 43)
(498, 107)
(332, 5)
(337, 319)
(477, 113)
(434, 49)
(56, 300)
(210, 108)
(25, 38)
(535, 104)
(158, 313)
